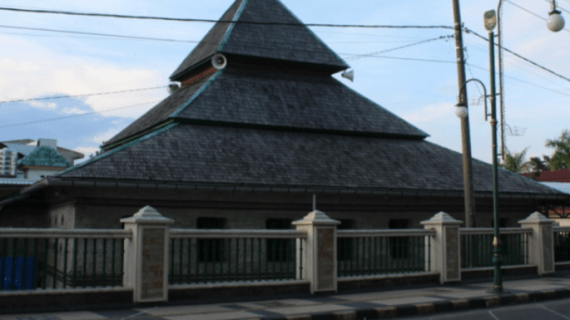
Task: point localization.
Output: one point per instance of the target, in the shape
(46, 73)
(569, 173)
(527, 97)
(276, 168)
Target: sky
(37, 64)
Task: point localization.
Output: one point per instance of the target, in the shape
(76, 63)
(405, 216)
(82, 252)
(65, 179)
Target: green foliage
(515, 162)
(561, 157)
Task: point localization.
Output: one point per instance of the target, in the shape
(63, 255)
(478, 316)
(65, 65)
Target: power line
(414, 59)
(355, 57)
(83, 95)
(534, 14)
(359, 56)
(523, 81)
(96, 34)
(519, 64)
(121, 16)
(76, 115)
(143, 38)
(519, 56)
(558, 7)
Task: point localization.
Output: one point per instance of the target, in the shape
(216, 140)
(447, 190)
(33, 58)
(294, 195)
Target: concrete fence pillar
(445, 247)
(318, 257)
(541, 242)
(146, 256)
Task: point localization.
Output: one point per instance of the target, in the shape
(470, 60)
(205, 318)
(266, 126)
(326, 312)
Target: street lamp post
(555, 23)
(490, 22)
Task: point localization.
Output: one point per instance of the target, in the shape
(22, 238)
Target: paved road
(547, 310)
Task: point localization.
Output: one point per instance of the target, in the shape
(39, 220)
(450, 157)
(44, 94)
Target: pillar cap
(442, 218)
(316, 218)
(147, 215)
(536, 217)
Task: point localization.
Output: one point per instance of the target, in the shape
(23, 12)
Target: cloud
(43, 105)
(87, 151)
(99, 138)
(29, 70)
(73, 111)
(430, 113)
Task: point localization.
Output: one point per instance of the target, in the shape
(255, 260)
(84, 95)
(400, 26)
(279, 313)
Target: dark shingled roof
(294, 43)
(45, 157)
(275, 98)
(229, 155)
(277, 125)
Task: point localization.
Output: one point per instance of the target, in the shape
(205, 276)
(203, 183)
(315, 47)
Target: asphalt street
(547, 310)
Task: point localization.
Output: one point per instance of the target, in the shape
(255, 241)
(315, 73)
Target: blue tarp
(18, 282)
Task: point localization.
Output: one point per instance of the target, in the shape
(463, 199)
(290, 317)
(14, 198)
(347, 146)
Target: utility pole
(465, 137)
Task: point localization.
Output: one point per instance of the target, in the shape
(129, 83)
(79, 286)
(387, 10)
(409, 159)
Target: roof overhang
(94, 183)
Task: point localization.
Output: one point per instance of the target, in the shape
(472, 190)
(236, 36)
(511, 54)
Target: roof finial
(314, 202)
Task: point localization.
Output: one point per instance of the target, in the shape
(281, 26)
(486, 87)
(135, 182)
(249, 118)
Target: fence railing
(59, 258)
(379, 252)
(561, 244)
(216, 256)
(477, 247)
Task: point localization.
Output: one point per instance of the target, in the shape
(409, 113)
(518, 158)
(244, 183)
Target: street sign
(490, 20)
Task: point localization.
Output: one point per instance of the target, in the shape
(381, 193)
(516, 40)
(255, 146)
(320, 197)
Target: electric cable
(84, 95)
(519, 56)
(77, 115)
(534, 14)
(359, 56)
(122, 16)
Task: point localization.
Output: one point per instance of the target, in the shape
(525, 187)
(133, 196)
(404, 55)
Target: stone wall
(104, 207)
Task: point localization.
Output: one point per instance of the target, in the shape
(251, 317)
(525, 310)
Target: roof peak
(264, 29)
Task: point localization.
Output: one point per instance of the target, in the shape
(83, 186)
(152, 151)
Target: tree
(536, 166)
(561, 157)
(515, 162)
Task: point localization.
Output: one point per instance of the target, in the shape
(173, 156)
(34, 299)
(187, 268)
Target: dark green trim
(138, 135)
(232, 25)
(132, 143)
(295, 129)
(179, 76)
(196, 94)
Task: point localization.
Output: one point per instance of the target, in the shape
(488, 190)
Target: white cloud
(105, 135)
(43, 105)
(29, 70)
(87, 151)
(430, 113)
(73, 111)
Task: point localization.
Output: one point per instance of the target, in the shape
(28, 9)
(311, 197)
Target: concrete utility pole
(465, 137)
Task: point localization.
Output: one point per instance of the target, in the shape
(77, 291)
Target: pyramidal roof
(45, 157)
(262, 29)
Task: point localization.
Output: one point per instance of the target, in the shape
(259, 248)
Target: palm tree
(561, 157)
(515, 162)
(536, 166)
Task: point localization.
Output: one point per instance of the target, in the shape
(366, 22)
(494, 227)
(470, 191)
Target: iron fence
(561, 244)
(477, 247)
(379, 252)
(58, 259)
(216, 256)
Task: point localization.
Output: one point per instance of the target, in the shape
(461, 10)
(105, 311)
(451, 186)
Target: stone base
(63, 299)
(226, 291)
(387, 281)
(506, 271)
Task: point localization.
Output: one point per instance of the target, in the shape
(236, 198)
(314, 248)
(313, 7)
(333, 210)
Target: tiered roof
(275, 118)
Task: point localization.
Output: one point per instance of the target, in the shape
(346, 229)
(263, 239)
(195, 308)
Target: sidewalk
(369, 304)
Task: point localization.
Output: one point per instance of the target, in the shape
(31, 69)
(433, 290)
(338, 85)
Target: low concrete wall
(193, 292)
(26, 299)
(387, 280)
(506, 271)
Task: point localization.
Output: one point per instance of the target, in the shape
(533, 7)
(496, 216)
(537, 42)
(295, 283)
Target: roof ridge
(232, 25)
(113, 151)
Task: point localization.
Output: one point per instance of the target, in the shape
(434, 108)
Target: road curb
(430, 308)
